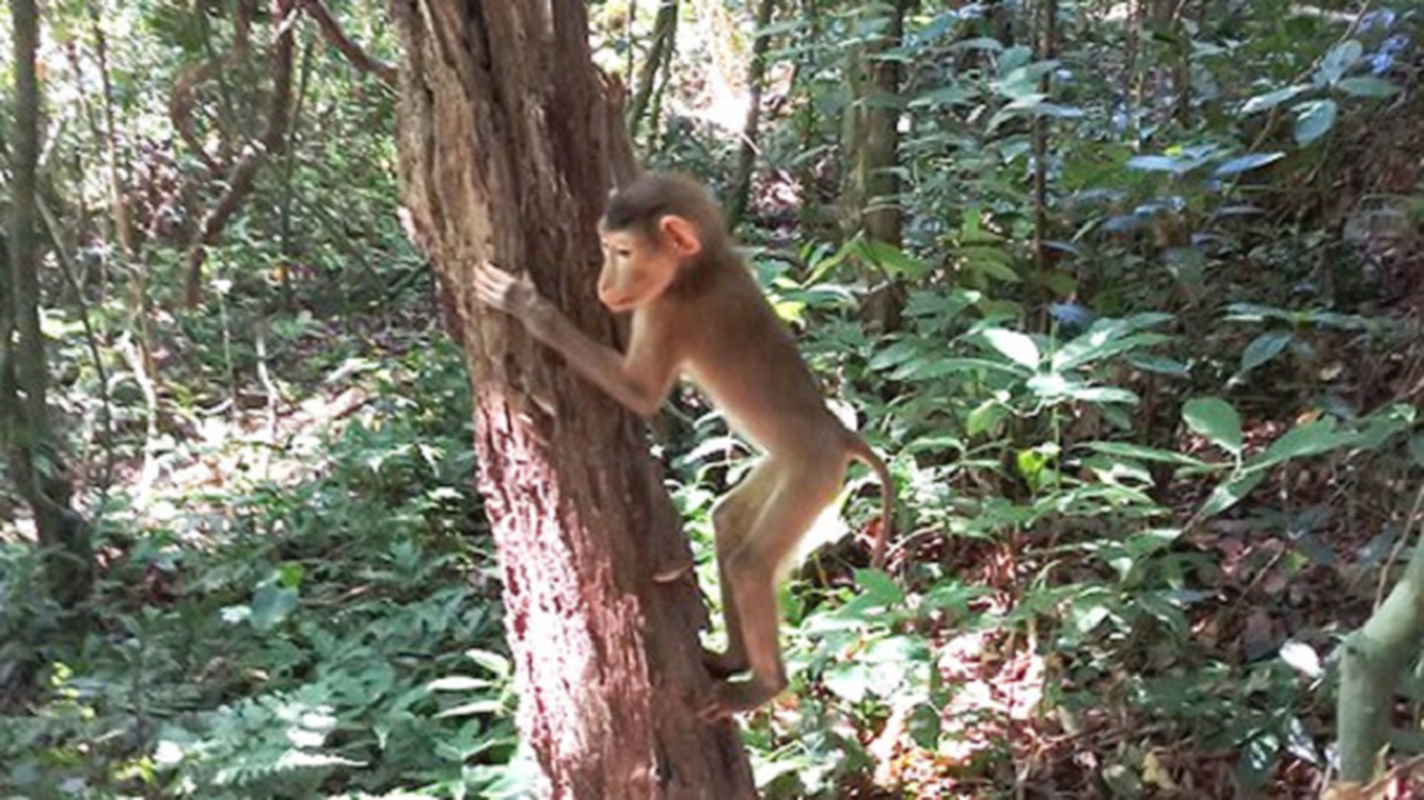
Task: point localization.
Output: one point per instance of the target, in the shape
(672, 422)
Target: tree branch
(331, 31)
(243, 176)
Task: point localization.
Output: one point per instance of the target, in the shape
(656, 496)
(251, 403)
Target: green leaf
(1176, 166)
(1314, 119)
(1159, 365)
(1231, 491)
(1216, 420)
(1015, 346)
(879, 588)
(984, 418)
(924, 726)
(1247, 163)
(1129, 450)
(1097, 345)
(849, 680)
(1269, 100)
(1102, 394)
(1310, 439)
(990, 260)
(271, 604)
(923, 369)
(894, 261)
(1302, 657)
(1367, 86)
(1264, 348)
(1336, 62)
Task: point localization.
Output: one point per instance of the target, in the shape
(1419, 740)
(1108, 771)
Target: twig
(1399, 545)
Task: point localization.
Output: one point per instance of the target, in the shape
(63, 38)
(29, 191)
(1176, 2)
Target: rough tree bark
(508, 148)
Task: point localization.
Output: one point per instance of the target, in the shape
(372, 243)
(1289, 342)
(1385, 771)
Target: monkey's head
(658, 232)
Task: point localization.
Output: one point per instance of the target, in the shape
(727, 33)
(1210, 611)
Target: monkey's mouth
(617, 305)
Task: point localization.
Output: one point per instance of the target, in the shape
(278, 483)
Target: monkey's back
(744, 358)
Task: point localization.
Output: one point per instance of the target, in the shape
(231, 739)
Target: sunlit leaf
(1015, 346)
(1302, 657)
(1176, 166)
(1269, 100)
(1313, 120)
(458, 683)
(1247, 163)
(1339, 59)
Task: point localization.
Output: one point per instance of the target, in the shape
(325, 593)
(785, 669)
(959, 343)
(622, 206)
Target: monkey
(698, 312)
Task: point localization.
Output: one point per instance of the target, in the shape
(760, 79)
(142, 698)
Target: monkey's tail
(862, 452)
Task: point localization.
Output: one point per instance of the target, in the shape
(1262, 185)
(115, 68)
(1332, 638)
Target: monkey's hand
(515, 295)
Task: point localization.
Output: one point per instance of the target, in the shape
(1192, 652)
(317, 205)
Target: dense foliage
(1152, 385)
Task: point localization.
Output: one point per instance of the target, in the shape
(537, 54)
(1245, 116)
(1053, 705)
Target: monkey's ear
(681, 234)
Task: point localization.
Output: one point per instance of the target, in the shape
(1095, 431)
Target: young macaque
(698, 311)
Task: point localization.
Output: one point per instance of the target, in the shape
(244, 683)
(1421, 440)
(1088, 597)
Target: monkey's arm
(640, 381)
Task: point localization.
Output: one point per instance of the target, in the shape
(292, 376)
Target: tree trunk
(508, 148)
(873, 185)
(664, 42)
(756, 77)
(35, 462)
(1375, 661)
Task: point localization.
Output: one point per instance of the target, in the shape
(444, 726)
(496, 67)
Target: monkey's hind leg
(800, 488)
(731, 523)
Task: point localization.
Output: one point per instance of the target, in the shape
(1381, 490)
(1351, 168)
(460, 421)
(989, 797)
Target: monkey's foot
(723, 665)
(730, 698)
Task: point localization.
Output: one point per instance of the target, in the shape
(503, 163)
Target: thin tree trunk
(756, 77)
(507, 154)
(1048, 46)
(1376, 658)
(874, 183)
(664, 38)
(35, 460)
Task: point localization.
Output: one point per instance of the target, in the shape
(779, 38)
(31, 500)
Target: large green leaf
(1216, 420)
(1367, 86)
(1015, 346)
(1098, 345)
(1310, 439)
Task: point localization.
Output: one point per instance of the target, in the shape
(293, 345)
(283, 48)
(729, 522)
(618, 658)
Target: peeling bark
(508, 147)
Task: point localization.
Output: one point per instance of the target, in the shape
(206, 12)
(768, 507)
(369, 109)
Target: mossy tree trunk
(508, 147)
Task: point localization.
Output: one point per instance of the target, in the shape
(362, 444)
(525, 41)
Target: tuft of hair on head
(641, 205)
